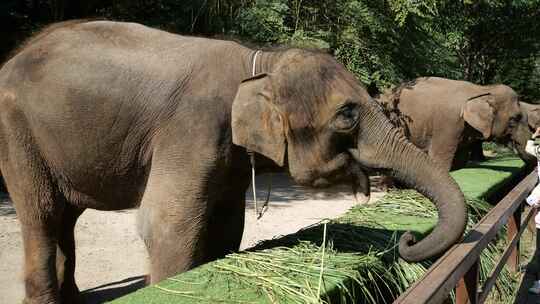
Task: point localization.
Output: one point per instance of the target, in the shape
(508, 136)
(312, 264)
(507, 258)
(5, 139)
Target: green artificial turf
(479, 180)
(347, 260)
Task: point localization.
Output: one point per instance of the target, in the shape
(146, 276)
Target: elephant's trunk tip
(407, 250)
(406, 241)
(412, 250)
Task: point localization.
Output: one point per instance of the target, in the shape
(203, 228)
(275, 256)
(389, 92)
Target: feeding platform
(351, 259)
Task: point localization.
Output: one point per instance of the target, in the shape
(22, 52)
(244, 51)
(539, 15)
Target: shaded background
(383, 42)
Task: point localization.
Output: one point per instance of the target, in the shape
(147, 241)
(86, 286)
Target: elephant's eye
(346, 118)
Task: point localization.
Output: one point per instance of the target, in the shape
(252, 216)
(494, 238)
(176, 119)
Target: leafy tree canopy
(382, 42)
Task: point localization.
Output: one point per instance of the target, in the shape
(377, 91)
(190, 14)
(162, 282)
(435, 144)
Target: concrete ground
(112, 260)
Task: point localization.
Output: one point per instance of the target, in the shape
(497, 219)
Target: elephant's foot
(147, 280)
(43, 299)
(40, 289)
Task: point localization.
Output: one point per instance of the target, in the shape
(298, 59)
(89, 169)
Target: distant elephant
(445, 117)
(530, 120)
(109, 116)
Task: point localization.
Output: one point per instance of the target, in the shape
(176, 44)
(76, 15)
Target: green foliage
(264, 21)
(493, 39)
(403, 8)
(382, 42)
(523, 74)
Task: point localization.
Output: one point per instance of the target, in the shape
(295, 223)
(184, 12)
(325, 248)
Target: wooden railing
(459, 267)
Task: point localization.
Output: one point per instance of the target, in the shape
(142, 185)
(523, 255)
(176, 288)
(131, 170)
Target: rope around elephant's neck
(254, 62)
(258, 213)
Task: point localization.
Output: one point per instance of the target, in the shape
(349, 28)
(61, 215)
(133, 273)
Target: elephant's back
(103, 68)
(93, 93)
(426, 104)
(446, 90)
(75, 50)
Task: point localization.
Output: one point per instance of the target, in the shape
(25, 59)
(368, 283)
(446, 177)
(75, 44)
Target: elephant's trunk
(382, 146)
(526, 157)
(519, 140)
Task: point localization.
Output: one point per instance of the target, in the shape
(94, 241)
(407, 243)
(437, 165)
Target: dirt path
(111, 259)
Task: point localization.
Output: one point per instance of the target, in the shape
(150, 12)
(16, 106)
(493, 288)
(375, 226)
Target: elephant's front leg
(173, 218)
(226, 224)
(173, 230)
(443, 147)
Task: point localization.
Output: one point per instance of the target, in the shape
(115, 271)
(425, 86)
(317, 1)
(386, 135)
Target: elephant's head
(311, 115)
(530, 120)
(493, 111)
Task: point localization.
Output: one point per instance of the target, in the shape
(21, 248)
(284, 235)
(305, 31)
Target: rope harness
(259, 213)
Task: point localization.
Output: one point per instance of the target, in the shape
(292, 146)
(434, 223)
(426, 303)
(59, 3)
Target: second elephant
(444, 117)
(530, 121)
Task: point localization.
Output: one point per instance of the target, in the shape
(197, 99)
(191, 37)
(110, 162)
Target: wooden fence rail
(459, 267)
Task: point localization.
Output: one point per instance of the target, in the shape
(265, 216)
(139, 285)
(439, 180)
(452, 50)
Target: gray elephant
(530, 121)
(445, 117)
(109, 116)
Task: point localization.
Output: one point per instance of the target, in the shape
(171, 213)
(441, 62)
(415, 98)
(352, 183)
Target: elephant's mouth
(333, 172)
(343, 169)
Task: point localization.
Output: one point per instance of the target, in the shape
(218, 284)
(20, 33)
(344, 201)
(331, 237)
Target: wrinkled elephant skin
(445, 117)
(110, 116)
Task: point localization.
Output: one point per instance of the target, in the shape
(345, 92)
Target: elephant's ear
(257, 124)
(533, 118)
(479, 113)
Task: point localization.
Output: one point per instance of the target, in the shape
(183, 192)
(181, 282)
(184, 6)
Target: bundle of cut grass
(407, 203)
(349, 260)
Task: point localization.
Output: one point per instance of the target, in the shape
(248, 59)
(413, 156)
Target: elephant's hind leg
(38, 204)
(39, 210)
(65, 256)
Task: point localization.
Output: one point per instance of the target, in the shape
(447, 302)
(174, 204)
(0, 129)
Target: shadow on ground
(110, 291)
(6, 207)
(284, 190)
(510, 169)
(346, 238)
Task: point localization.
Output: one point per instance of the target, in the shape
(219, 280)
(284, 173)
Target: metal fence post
(514, 224)
(467, 288)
